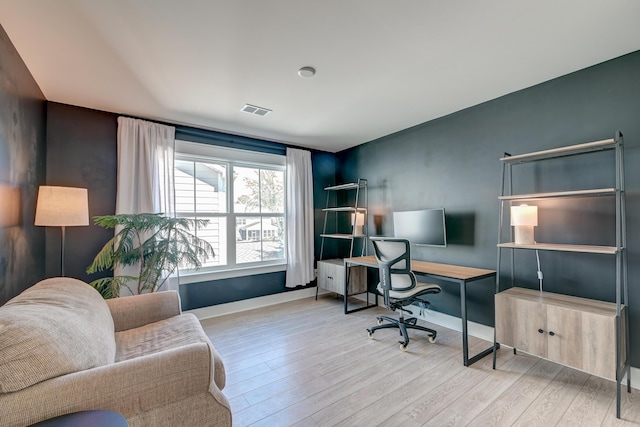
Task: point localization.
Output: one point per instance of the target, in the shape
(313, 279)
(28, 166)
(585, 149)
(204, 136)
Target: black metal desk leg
(466, 360)
(347, 269)
(463, 314)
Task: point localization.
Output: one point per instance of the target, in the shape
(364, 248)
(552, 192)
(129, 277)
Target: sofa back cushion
(56, 327)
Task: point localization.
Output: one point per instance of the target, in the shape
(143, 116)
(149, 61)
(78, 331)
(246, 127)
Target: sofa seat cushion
(56, 327)
(166, 334)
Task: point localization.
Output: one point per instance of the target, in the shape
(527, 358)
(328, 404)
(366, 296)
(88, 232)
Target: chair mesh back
(394, 259)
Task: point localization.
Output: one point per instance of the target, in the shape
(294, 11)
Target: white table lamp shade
(357, 219)
(523, 219)
(62, 206)
(524, 215)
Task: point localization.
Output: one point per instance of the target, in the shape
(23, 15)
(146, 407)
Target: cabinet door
(519, 322)
(583, 340)
(331, 276)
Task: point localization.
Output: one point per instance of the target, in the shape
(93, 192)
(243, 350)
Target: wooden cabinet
(576, 332)
(331, 276)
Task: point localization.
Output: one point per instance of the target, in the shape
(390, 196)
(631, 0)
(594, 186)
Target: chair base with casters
(402, 324)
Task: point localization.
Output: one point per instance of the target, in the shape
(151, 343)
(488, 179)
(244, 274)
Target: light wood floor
(304, 363)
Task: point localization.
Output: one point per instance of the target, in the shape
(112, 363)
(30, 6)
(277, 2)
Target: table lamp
(523, 219)
(357, 219)
(62, 207)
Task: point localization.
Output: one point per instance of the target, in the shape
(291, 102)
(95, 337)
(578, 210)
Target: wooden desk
(448, 273)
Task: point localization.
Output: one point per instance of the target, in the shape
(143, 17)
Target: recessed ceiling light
(306, 72)
(254, 109)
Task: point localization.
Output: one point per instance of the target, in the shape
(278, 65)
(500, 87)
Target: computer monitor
(425, 227)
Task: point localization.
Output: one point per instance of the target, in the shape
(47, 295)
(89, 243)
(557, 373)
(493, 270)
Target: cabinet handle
(541, 331)
(551, 333)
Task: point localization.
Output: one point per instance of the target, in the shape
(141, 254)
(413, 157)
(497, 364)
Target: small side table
(86, 418)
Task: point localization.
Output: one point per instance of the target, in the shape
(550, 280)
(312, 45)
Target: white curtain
(145, 170)
(300, 238)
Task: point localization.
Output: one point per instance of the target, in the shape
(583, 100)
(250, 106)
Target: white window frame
(192, 151)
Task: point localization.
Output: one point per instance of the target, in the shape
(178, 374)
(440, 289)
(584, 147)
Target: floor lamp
(62, 207)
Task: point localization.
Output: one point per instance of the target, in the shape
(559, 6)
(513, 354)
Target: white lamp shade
(524, 215)
(62, 206)
(359, 218)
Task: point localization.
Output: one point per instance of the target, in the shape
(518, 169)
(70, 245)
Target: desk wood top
(459, 272)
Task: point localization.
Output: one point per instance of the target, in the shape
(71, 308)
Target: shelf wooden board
(576, 193)
(341, 236)
(570, 150)
(344, 209)
(347, 186)
(611, 250)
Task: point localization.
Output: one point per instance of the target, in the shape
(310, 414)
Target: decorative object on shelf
(62, 207)
(157, 244)
(523, 219)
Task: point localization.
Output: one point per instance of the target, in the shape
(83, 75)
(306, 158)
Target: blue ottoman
(86, 418)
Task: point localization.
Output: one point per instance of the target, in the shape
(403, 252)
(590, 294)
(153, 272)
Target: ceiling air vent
(253, 109)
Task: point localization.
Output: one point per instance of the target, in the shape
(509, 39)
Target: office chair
(399, 287)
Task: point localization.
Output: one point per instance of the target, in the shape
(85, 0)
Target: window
(242, 195)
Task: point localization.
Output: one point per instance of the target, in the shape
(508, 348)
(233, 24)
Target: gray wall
(452, 162)
(22, 168)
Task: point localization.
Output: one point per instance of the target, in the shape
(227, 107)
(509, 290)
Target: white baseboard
(477, 330)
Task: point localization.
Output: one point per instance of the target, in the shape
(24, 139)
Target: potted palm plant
(154, 243)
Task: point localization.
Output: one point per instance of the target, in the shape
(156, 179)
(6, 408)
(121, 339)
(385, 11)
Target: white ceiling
(382, 66)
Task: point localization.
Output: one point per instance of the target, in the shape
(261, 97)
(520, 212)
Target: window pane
(272, 190)
(259, 239)
(210, 187)
(184, 184)
(246, 189)
(216, 234)
(273, 239)
(248, 240)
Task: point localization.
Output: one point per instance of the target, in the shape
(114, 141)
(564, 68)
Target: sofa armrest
(139, 310)
(130, 387)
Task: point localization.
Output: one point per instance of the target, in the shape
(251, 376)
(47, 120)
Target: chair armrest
(130, 387)
(139, 310)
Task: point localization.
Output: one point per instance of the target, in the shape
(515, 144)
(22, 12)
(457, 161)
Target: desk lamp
(523, 219)
(62, 207)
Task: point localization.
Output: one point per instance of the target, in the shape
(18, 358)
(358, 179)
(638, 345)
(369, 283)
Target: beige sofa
(64, 349)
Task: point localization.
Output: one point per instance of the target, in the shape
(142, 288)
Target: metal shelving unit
(619, 250)
(332, 274)
(357, 206)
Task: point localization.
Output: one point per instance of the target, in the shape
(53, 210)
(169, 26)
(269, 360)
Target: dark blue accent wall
(452, 162)
(82, 152)
(22, 170)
